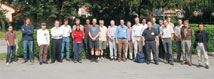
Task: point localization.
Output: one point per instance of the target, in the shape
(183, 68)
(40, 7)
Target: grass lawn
(3, 56)
(2, 34)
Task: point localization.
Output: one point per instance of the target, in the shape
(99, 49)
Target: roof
(9, 5)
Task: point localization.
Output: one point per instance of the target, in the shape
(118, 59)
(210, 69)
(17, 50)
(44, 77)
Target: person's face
(201, 27)
(149, 25)
(161, 22)
(136, 20)
(168, 19)
(144, 21)
(112, 23)
(186, 23)
(43, 27)
(10, 29)
(101, 23)
(87, 21)
(128, 24)
(122, 22)
(66, 22)
(165, 23)
(78, 27)
(56, 24)
(27, 21)
(94, 21)
(77, 22)
(153, 20)
(179, 22)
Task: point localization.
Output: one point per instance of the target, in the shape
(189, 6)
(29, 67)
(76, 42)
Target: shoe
(40, 63)
(7, 63)
(171, 63)
(102, 58)
(75, 61)
(199, 65)
(119, 60)
(80, 61)
(68, 60)
(32, 61)
(45, 62)
(156, 63)
(183, 63)
(207, 67)
(24, 62)
(166, 62)
(52, 62)
(148, 62)
(190, 64)
(98, 58)
(124, 60)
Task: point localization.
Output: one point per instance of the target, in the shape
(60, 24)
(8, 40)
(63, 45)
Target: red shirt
(78, 36)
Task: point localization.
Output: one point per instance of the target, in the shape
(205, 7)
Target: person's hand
(116, 42)
(172, 39)
(179, 38)
(112, 38)
(8, 44)
(93, 39)
(39, 45)
(158, 43)
(48, 44)
(143, 44)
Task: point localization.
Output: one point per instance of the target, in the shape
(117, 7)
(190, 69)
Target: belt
(121, 38)
(57, 39)
(150, 40)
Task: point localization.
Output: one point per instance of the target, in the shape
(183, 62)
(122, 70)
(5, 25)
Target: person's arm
(133, 31)
(116, 35)
(30, 32)
(109, 35)
(157, 40)
(143, 41)
(48, 38)
(23, 30)
(82, 35)
(38, 37)
(7, 38)
(172, 34)
(15, 38)
(127, 34)
(97, 34)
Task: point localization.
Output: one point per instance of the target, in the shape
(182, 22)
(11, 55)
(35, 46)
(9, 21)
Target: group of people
(124, 41)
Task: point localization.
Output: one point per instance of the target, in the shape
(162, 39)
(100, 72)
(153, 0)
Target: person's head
(179, 21)
(65, 21)
(161, 22)
(121, 22)
(153, 20)
(201, 27)
(144, 20)
(87, 21)
(77, 21)
(112, 22)
(10, 28)
(186, 22)
(56, 23)
(165, 22)
(27, 21)
(168, 19)
(149, 25)
(128, 24)
(137, 20)
(94, 21)
(77, 27)
(43, 26)
(101, 22)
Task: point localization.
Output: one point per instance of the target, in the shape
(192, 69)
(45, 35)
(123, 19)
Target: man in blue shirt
(27, 37)
(122, 36)
(157, 27)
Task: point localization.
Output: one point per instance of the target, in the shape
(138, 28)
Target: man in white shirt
(102, 38)
(137, 31)
(66, 29)
(56, 34)
(178, 40)
(167, 34)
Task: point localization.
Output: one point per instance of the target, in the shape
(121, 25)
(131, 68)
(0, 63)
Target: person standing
(186, 42)
(122, 35)
(57, 34)
(66, 29)
(201, 40)
(112, 43)
(137, 31)
(144, 27)
(77, 44)
(157, 27)
(10, 38)
(129, 46)
(78, 23)
(102, 39)
(150, 36)
(161, 48)
(86, 39)
(167, 34)
(27, 37)
(178, 40)
(94, 33)
(43, 40)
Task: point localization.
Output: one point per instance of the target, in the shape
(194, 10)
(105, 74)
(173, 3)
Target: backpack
(140, 58)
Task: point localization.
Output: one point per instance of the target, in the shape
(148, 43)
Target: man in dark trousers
(201, 39)
(150, 39)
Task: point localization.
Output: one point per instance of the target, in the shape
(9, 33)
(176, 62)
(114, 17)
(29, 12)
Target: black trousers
(56, 49)
(151, 47)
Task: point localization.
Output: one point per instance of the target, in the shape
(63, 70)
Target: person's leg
(97, 52)
(189, 44)
(153, 47)
(165, 49)
(80, 52)
(30, 44)
(63, 47)
(13, 53)
(53, 51)
(198, 48)
(67, 48)
(135, 46)
(119, 49)
(45, 54)
(59, 47)
(25, 50)
(92, 45)
(178, 44)
(41, 49)
(157, 51)
(8, 53)
(130, 50)
(127, 47)
(124, 48)
(148, 51)
(205, 55)
(111, 49)
(170, 51)
(75, 50)
(183, 44)
(115, 49)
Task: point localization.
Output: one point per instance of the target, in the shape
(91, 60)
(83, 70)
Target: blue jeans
(87, 48)
(77, 49)
(28, 44)
(9, 50)
(65, 45)
(178, 43)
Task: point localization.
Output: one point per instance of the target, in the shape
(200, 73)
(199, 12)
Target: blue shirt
(27, 32)
(122, 32)
(157, 27)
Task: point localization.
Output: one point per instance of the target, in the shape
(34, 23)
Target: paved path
(104, 70)
(3, 46)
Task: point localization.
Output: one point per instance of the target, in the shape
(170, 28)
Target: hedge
(208, 28)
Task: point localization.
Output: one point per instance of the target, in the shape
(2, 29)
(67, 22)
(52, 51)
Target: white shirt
(43, 37)
(178, 31)
(56, 33)
(144, 26)
(103, 33)
(66, 30)
(166, 32)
